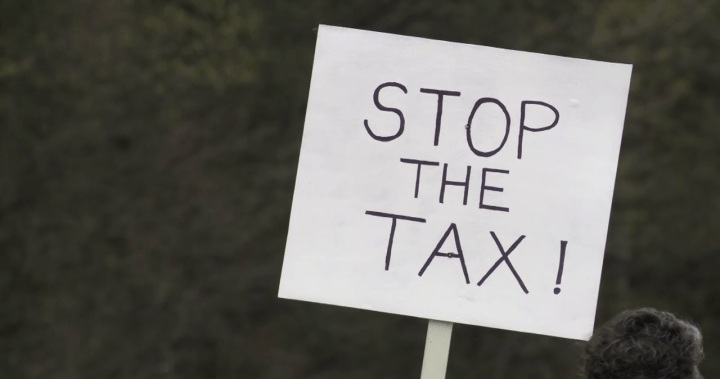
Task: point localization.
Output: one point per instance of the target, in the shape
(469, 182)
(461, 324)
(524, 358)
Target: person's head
(644, 344)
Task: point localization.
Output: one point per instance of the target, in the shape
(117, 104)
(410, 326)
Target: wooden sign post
(437, 349)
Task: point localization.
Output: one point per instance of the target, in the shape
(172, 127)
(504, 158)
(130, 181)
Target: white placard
(455, 182)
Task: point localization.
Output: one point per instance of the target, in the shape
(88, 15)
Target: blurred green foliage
(148, 153)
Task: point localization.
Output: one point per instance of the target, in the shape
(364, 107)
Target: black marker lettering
(445, 182)
(563, 245)
(483, 187)
(524, 127)
(505, 258)
(437, 253)
(392, 230)
(376, 99)
(469, 126)
(419, 166)
(438, 117)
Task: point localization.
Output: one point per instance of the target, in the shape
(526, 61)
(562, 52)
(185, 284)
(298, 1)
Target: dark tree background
(148, 151)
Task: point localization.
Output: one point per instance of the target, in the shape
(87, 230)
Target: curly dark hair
(644, 344)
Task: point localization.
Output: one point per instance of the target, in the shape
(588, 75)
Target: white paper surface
(559, 190)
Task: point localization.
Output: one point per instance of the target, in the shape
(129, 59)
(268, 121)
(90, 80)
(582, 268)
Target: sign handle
(437, 348)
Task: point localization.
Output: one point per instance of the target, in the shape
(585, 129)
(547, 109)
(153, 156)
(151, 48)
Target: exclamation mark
(563, 244)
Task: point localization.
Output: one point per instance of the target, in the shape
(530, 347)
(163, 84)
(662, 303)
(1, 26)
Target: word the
(465, 184)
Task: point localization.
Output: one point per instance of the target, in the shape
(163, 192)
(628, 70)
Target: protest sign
(455, 182)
